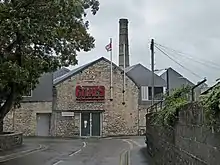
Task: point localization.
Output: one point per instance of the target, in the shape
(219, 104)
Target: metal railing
(155, 107)
(190, 96)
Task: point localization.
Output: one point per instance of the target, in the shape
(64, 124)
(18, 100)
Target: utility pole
(152, 69)
(168, 83)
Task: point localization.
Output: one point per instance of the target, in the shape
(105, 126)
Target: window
(158, 93)
(146, 93)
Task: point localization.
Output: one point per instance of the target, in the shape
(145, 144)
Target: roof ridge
(76, 70)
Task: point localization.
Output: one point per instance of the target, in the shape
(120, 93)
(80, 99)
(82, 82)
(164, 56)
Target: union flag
(108, 47)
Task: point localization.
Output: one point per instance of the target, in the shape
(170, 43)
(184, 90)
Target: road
(92, 151)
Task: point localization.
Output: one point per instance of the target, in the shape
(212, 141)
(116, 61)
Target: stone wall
(142, 121)
(24, 119)
(66, 126)
(10, 141)
(188, 142)
(118, 119)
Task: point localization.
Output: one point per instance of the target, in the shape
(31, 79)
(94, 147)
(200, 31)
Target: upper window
(146, 93)
(158, 93)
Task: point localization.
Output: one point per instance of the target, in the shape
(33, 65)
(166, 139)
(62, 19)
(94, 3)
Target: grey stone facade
(117, 119)
(66, 126)
(24, 119)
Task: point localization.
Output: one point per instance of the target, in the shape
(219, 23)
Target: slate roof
(178, 75)
(60, 72)
(142, 76)
(159, 73)
(70, 74)
(130, 68)
(138, 78)
(81, 68)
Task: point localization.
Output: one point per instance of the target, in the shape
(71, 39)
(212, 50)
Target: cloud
(189, 26)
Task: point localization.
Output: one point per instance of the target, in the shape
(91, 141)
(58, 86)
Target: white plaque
(67, 113)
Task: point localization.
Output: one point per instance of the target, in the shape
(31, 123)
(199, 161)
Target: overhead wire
(182, 54)
(166, 54)
(184, 61)
(203, 63)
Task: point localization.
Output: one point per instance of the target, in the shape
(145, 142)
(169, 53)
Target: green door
(96, 124)
(85, 124)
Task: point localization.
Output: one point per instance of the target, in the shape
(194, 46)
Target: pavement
(26, 148)
(91, 151)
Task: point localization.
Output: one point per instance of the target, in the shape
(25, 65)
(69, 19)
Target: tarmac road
(92, 151)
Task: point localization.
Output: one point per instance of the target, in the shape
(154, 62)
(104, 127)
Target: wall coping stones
(10, 140)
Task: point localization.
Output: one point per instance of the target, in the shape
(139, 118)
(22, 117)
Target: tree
(36, 37)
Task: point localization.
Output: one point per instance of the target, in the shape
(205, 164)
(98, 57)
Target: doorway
(43, 124)
(90, 124)
(96, 124)
(85, 124)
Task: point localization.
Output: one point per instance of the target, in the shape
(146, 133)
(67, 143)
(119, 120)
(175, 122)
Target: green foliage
(38, 36)
(172, 104)
(211, 104)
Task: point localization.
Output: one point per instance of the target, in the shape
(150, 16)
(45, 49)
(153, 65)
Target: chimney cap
(123, 21)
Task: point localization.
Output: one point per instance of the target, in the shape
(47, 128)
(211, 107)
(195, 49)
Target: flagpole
(111, 86)
(124, 78)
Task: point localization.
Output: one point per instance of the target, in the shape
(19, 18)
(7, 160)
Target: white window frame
(164, 90)
(144, 93)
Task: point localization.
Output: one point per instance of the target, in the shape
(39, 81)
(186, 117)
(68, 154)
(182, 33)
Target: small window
(158, 93)
(144, 93)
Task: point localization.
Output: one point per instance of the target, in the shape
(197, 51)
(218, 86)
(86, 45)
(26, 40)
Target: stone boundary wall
(10, 140)
(188, 142)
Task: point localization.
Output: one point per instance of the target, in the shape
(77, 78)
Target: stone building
(69, 115)
(81, 102)
(94, 115)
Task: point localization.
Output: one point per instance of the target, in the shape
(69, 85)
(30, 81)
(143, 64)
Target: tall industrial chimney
(123, 41)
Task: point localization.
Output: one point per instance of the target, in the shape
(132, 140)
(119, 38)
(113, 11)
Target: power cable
(197, 61)
(178, 62)
(189, 56)
(175, 56)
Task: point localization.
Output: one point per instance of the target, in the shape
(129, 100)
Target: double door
(90, 124)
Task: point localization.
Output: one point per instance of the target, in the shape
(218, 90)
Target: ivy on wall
(168, 115)
(173, 103)
(211, 103)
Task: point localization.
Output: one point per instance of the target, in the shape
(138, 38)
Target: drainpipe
(193, 88)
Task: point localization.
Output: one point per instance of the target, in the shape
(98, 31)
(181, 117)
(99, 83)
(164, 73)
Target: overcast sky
(189, 26)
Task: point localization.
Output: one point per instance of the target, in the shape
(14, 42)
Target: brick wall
(189, 142)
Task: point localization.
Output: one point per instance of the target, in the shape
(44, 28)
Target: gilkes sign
(90, 93)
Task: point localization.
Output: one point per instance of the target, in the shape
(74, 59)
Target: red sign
(90, 93)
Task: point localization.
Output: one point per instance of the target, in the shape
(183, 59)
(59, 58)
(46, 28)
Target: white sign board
(67, 113)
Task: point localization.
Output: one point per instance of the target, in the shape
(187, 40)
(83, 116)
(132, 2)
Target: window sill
(151, 100)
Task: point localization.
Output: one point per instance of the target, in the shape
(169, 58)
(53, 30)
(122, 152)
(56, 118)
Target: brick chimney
(123, 40)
